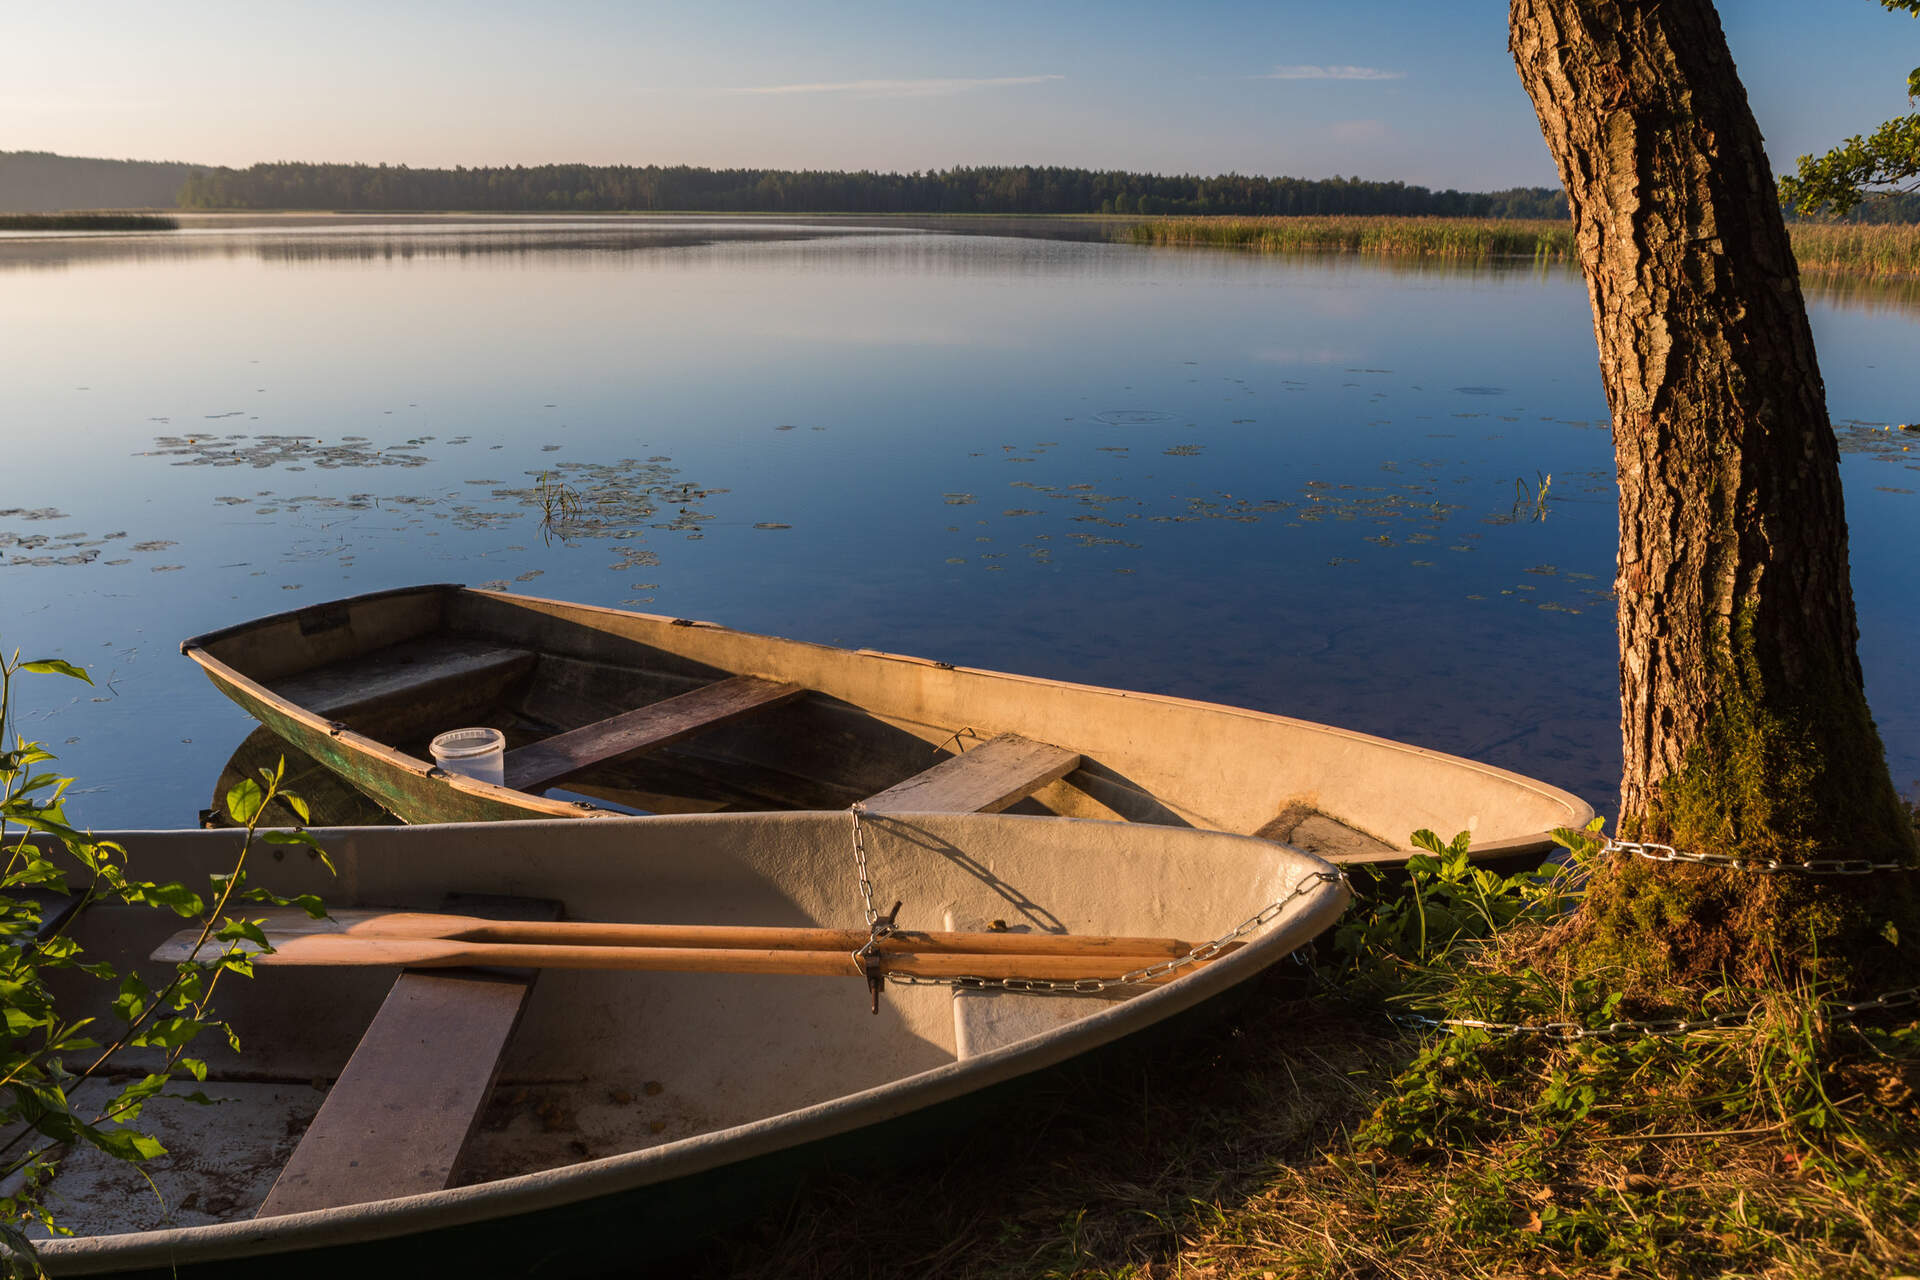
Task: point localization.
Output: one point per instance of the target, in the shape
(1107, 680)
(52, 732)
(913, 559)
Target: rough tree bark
(1743, 716)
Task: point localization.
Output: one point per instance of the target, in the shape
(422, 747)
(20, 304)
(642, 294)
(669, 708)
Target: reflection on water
(1373, 493)
(1893, 294)
(350, 240)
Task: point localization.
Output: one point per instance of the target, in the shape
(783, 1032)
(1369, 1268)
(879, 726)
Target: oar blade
(319, 947)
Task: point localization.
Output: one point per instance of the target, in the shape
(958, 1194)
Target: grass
(1311, 1136)
(87, 222)
(1884, 251)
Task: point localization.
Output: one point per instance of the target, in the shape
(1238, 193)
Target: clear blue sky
(1420, 90)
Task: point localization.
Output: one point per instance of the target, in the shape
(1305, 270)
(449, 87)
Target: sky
(1417, 90)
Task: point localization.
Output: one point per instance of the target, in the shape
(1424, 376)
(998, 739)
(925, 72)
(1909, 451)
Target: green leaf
(298, 805)
(290, 837)
(169, 1033)
(243, 801)
(244, 930)
(55, 667)
(124, 1144)
(182, 900)
(19, 1022)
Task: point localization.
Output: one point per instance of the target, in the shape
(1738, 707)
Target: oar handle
(922, 942)
(425, 925)
(348, 949)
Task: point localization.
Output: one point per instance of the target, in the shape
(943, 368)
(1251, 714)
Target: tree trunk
(1744, 721)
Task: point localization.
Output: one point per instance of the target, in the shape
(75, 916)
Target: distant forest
(1025, 189)
(38, 181)
(41, 182)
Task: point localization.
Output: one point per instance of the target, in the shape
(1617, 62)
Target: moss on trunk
(1773, 776)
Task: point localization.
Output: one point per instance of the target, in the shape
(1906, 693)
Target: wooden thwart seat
(543, 764)
(995, 774)
(405, 669)
(402, 1112)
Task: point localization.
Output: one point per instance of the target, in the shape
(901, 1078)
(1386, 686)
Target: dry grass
(1309, 1137)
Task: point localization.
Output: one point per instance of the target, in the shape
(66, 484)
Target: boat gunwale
(1309, 913)
(206, 638)
(1579, 812)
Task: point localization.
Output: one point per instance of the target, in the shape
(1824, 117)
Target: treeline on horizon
(39, 181)
(992, 189)
(42, 182)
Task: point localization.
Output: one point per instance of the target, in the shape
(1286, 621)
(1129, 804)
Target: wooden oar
(359, 949)
(283, 926)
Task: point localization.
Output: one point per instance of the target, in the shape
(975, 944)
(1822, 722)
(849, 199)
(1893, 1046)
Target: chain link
(1764, 866)
(1905, 998)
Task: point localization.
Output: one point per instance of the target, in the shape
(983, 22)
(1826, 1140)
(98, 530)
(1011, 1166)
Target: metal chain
(1133, 977)
(860, 861)
(1765, 866)
(879, 926)
(1567, 1032)
(1905, 998)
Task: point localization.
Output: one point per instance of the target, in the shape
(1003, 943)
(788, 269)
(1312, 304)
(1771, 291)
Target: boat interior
(652, 715)
(367, 1082)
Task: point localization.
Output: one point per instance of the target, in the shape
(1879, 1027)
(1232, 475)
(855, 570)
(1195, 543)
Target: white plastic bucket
(477, 753)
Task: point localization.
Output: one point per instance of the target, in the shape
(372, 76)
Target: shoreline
(1884, 252)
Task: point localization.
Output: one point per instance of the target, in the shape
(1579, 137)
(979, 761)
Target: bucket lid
(458, 744)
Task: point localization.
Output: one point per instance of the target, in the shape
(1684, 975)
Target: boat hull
(733, 1052)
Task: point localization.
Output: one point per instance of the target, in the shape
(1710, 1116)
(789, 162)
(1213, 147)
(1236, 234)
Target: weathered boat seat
(995, 774)
(543, 764)
(400, 1116)
(410, 670)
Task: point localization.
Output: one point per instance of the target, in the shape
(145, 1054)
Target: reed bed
(1467, 239)
(1885, 251)
(87, 222)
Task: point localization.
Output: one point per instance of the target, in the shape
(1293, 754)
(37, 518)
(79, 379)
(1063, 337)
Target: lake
(1375, 494)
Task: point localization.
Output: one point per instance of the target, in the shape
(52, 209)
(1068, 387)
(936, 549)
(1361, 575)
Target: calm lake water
(1311, 486)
